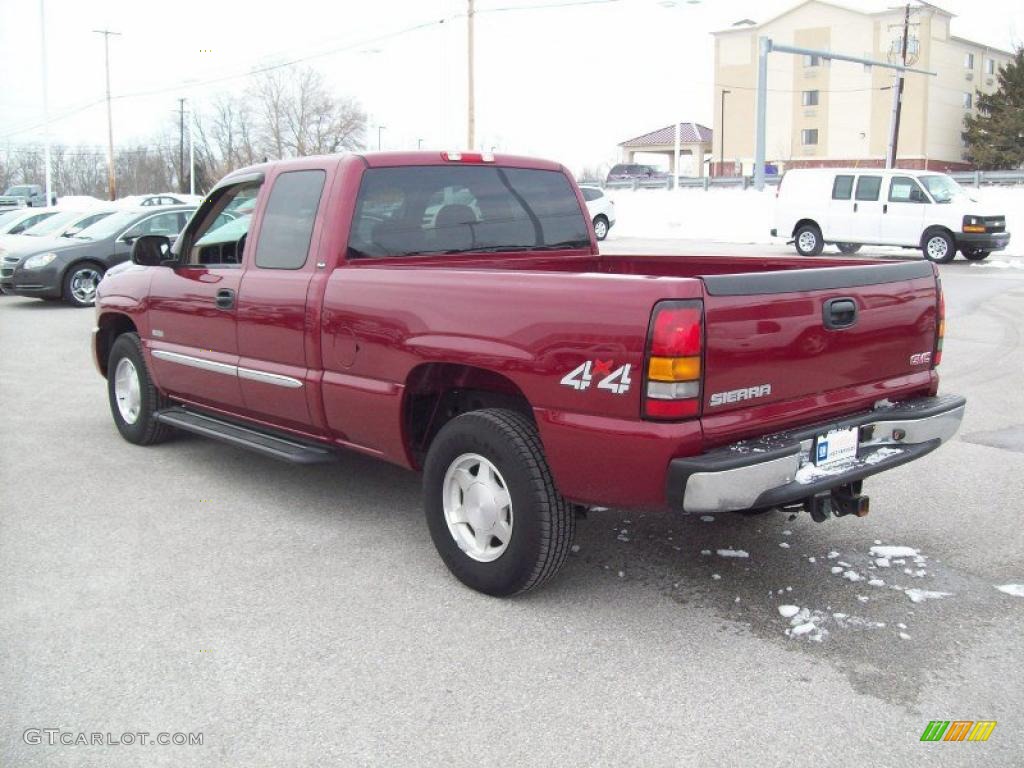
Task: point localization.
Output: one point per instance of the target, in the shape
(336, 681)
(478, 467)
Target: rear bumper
(983, 241)
(777, 469)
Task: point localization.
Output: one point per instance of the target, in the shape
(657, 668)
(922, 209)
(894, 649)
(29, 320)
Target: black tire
(805, 245)
(604, 225)
(145, 430)
(974, 254)
(848, 248)
(543, 523)
(938, 246)
(76, 276)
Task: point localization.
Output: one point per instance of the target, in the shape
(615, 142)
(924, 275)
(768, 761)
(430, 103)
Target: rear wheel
(133, 397)
(939, 246)
(80, 282)
(974, 254)
(807, 239)
(600, 227)
(492, 508)
(848, 248)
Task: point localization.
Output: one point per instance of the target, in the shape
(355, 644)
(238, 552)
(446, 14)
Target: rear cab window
(425, 210)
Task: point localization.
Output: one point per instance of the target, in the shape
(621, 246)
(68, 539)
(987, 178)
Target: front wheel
(974, 254)
(808, 240)
(848, 248)
(133, 398)
(492, 508)
(80, 284)
(939, 247)
(600, 227)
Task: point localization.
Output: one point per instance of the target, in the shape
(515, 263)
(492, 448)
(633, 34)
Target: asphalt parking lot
(300, 616)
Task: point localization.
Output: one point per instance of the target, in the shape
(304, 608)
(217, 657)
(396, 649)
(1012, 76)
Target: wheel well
(435, 393)
(936, 228)
(601, 216)
(804, 222)
(109, 327)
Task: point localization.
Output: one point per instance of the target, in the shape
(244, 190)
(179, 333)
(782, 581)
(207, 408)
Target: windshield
(109, 226)
(409, 211)
(942, 188)
(53, 224)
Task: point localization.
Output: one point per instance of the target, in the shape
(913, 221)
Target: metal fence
(969, 178)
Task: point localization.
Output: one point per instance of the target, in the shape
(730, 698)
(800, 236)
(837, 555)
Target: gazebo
(694, 140)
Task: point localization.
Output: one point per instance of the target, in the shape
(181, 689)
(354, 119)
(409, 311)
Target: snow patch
(1017, 590)
(788, 611)
(887, 551)
(733, 553)
(920, 595)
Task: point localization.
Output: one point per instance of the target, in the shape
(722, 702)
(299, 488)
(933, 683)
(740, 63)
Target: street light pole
(380, 130)
(111, 184)
(46, 105)
(191, 149)
(471, 88)
(721, 137)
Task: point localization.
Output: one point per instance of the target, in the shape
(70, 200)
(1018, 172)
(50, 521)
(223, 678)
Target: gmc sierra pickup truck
(450, 313)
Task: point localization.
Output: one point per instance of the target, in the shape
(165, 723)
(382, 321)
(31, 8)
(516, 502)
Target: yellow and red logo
(958, 730)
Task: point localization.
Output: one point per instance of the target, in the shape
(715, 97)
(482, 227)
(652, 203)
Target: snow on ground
(733, 553)
(1017, 590)
(887, 552)
(746, 216)
(920, 595)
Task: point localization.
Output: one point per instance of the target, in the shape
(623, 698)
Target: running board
(254, 439)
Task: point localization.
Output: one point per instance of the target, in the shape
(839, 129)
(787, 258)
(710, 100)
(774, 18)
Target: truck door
(193, 304)
(867, 210)
(274, 372)
(903, 214)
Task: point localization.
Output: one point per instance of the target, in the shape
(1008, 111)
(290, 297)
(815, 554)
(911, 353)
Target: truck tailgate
(782, 336)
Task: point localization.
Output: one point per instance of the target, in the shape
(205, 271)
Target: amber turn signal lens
(673, 368)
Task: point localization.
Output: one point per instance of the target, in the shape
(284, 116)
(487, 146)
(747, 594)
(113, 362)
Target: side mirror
(151, 250)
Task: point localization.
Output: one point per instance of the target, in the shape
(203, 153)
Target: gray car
(71, 268)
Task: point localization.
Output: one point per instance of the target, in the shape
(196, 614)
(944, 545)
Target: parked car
(851, 207)
(71, 268)
(601, 209)
(16, 221)
(164, 198)
(25, 195)
(634, 171)
(15, 248)
(524, 374)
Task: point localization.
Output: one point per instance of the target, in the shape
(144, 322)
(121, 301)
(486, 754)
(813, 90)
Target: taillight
(468, 157)
(674, 347)
(940, 325)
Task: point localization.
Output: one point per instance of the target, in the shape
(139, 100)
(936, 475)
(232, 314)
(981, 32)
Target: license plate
(835, 446)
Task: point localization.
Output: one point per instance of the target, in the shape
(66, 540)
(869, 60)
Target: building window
(812, 60)
(810, 98)
(809, 136)
(968, 61)
(990, 66)
(968, 100)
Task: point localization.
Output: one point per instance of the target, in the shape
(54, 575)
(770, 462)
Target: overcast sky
(566, 82)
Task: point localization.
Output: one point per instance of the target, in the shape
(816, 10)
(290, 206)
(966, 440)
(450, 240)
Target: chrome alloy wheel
(477, 507)
(83, 284)
(600, 229)
(807, 241)
(937, 247)
(127, 390)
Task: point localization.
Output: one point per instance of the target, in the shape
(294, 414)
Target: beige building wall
(853, 113)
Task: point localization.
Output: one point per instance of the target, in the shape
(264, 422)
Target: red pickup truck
(450, 313)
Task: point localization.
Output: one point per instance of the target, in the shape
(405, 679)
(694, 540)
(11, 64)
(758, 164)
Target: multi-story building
(834, 113)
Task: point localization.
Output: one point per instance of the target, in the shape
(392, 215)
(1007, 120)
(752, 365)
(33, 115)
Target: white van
(851, 207)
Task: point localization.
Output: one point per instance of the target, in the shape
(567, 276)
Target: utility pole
(721, 137)
(471, 112)
(111, 185)
(181, 144)
(380, 132)
(890, 160)
(191, 150)
(46, 105)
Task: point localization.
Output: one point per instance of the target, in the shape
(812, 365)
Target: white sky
(567, 83)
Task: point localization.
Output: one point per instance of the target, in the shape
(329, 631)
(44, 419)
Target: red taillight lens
(674, 366)
(676, 332)
(940, 325)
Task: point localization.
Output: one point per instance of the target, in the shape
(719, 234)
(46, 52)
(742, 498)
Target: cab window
(289, 218)
(903, 189)
(842, 188)
(219, 240)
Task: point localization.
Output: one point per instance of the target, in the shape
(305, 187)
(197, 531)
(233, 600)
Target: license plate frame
(836, 446)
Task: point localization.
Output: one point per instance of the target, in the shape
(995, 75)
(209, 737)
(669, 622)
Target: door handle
(225, 298)
(855, 207)
(839, 313)
(885, 207)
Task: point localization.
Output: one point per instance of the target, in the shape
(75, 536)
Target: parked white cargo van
(851, 207)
